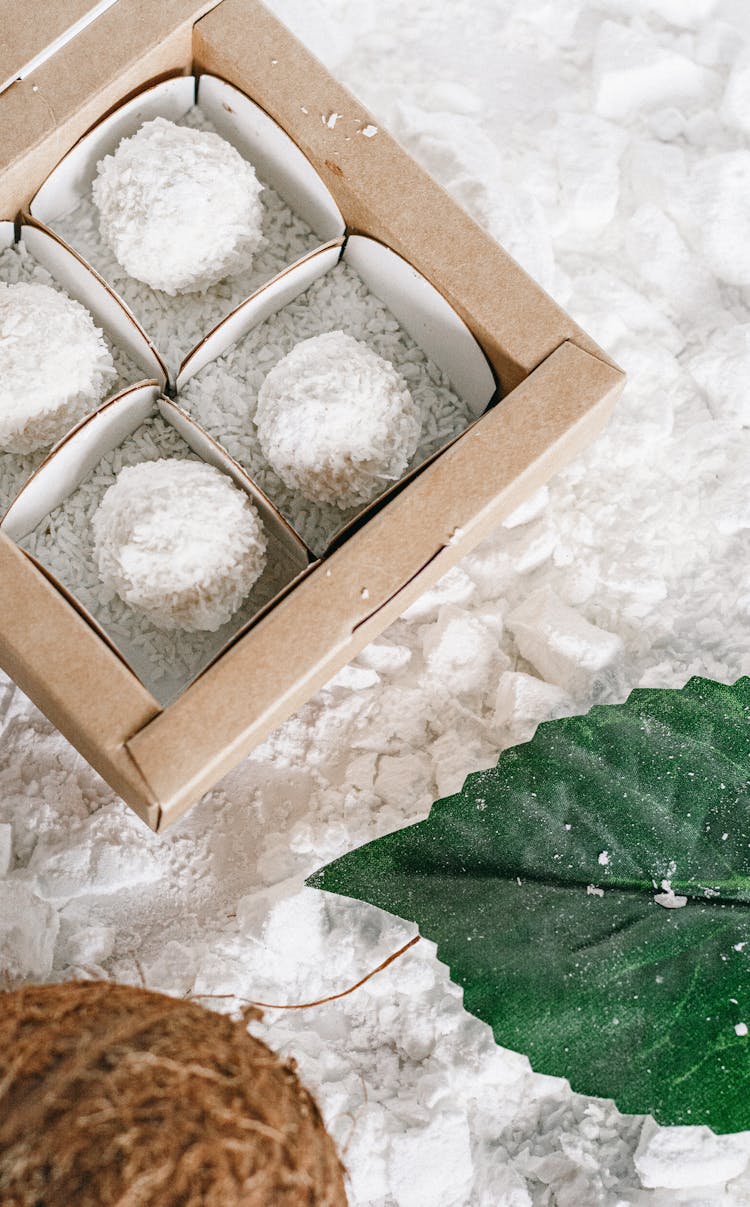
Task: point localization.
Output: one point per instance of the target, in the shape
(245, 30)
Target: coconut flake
(179, 542)
(54, 365)
(180, 208)
(336, 421)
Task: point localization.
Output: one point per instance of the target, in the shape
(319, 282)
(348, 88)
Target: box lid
(28, 41)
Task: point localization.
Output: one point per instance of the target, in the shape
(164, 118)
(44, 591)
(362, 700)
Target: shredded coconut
(178, 541)
(54, 366)
(336, 421)
(179, 207)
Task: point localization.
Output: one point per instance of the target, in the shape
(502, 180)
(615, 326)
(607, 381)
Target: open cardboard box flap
(559, 389)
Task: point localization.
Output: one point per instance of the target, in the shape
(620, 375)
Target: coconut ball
(113, 1095)
(180, 208)
(336, 421)
(179, 542)
(54, 366)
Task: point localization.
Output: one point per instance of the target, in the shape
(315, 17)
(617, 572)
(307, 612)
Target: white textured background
(606, 145)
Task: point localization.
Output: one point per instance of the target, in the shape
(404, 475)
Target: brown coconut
(113, 1095)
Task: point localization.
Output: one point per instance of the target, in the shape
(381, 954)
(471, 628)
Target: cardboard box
(557, 390)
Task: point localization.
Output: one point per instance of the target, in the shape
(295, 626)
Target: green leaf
(625, 998)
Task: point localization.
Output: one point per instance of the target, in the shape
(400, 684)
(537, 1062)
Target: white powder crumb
(6, 848)
(603, 858)
(385, 657)
(43, 396)
(369, 131)
(460, 651)
(304, 109)
(529, 509)
(354, 678)
(740, 1029)
(364, 593)
(673, 1157)
(564, 647)
(717, 223)
(336, 421)
(179, 543)
(432, 1166)
(28, 933)
(633, 72)
(522, 702)
(331, 120)
(668, 898)
(180, 208)
(593, 891)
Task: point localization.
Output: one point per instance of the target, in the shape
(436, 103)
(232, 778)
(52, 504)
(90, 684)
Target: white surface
(644, 537)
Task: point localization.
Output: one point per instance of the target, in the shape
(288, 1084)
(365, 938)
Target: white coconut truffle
(179, 542)
(180, 208)
(336, 421)
(54, 366)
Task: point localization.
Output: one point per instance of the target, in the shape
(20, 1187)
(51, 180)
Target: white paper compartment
(71, 179)
(280, 163)
(275, 156)
(7, 234)
(105, 307)
(72, 462)
(419, 308)
(429, 319)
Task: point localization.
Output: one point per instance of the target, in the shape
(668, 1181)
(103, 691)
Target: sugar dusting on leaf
(557, 971)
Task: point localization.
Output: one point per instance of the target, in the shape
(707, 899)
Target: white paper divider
(275, 156)
(213, 454)
(87, 287)
(272, 296)
(67, 183)
(7, 235)
(70, 461)
(429, 319)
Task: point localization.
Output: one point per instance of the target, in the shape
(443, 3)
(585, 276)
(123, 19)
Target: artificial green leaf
(538, 883)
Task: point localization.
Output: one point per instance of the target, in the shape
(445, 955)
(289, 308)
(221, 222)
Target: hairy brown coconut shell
(113, 1095)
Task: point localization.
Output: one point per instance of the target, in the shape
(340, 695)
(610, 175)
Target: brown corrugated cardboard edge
(75, 679)
(383, 193)
(42, 116)
(349, 598)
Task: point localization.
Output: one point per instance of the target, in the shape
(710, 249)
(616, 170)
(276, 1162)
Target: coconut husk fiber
(110, 1094)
